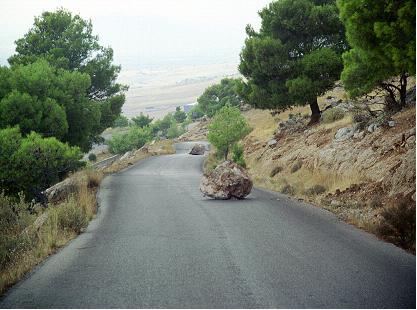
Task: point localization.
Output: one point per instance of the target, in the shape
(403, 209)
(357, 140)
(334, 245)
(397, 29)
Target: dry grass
(344, 122)
(262, 122)
(65, 220)
(103, 155)
(304, 179)
(212, 161)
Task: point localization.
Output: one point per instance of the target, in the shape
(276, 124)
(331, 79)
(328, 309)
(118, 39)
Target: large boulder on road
(198, 149)
(228, 180)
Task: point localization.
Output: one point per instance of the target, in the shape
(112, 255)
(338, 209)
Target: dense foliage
(217, 96)
(160, 126)
(134, 139)
(66, 42)
(227, 128)
(238, 156)
(180, 116)
(50, 101)
(383, 39)
(144, 129)
(121, 121)
(295, 56)
(31, 164)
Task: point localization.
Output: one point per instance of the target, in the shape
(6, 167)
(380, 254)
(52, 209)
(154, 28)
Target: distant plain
(158, 91)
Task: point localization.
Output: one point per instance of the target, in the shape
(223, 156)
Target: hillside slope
(354, 171)
(363, 172)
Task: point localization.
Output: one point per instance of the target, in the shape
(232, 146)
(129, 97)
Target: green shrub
(134, 139)
(219, 95)
(92, 157)
(71, 217)
(237, 155)
(195, 112)
(179, 115)
(33, 163)
(142, 120)
(160, 127)
(332, 115)
(121, 121)
(174, 130)
(42, 162)
(227, 128)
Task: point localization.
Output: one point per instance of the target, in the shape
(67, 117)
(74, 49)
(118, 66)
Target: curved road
(157, 243)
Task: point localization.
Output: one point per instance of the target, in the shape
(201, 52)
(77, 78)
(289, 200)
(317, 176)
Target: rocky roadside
(359, 167)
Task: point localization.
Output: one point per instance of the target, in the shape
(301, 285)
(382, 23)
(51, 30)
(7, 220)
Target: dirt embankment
(364, 173)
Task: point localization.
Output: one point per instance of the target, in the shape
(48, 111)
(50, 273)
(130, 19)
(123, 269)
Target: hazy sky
(147, 33)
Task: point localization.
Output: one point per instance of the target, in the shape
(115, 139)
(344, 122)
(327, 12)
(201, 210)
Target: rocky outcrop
(198, 149)
(344, 134)
(272, 143)
(295, 123)
(228, 180)
(196, 131)
(61, 190)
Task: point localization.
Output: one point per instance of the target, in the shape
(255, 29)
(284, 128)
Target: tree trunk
(226, 153)
(403, 89)
(315, 112)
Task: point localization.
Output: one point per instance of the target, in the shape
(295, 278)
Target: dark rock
(198, 149)
(275, 171)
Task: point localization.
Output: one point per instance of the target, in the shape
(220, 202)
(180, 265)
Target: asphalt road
(158, 243)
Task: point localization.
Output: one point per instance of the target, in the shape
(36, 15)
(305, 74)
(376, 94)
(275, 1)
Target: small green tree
(161, 126)
(217, 96)
(50, 101)
(142, 120)
(295, 57)
(179, 115)
(382, 34)
(195, 113)
(238, 156)
(121, 121)
(66, 41)
(228, 127)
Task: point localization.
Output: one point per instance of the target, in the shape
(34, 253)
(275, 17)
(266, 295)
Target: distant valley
(158, 91)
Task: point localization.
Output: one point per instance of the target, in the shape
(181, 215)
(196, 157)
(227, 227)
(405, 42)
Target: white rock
(391, 123)
(372, 127)
(272, 143)
(344, 134)
(359, 135)
(126, 155)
